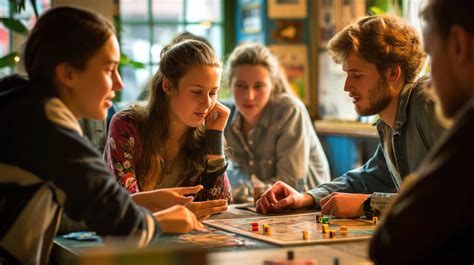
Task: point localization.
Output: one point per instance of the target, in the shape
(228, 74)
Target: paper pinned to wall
(333, 101)
(287, 9)
(294, 61)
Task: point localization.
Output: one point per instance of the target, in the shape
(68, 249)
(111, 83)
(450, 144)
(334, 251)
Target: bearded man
(382, 56)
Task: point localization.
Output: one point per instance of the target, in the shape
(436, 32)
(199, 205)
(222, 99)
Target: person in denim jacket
(270, 133)
(382, 55)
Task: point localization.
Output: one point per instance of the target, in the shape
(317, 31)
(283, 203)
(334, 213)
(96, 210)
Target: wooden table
(66, 251)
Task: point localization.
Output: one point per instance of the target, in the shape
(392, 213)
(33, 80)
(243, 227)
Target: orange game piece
(305, 235)
(344, 230)
(325, 228)
(375, 220)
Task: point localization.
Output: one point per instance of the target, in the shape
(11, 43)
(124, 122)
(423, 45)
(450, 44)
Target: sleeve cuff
(317, 195)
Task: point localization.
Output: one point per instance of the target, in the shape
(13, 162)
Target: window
(148, 25)
(9, 41)
(4, 35)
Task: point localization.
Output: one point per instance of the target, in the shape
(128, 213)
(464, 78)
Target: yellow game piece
(269, 231)
(325, 228)
(375, 220)
(305, 235)
(343, 230)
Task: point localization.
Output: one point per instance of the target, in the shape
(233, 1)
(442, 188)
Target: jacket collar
(403, 105)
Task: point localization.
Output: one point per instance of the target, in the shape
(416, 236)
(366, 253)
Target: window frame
(152, 23)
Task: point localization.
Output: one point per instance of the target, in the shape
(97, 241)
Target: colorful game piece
(332, 233)
(305, 235)
(290, 255)
(344, 230)
(269, 231)
(325, 220)
(266, 229)
(375, 220)
(254, 227)
(325, 228)
(287, 230)
(318, 218)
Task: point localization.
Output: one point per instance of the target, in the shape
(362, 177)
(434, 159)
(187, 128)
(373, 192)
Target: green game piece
(325, 220)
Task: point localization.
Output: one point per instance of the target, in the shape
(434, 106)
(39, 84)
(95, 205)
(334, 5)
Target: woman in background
(270, 133)
(177, 138)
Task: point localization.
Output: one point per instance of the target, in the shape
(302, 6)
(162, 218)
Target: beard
(378, 99)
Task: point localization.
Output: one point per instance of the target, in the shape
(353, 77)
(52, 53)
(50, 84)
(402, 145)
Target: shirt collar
(264, 122)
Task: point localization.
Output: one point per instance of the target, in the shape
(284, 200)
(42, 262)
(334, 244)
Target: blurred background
(297, 32)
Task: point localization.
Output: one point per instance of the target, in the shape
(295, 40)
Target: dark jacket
(41, 136)
(432, 220)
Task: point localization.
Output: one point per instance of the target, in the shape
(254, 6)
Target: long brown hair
(153, 120)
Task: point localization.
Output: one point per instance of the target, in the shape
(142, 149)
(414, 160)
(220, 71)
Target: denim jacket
(284, 146)
(415, 131)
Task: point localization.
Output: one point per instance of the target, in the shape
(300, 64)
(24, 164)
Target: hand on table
(343, 205)
(282, 196)
(177, 219)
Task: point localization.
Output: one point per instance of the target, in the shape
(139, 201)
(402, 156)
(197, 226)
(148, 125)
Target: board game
(212, 238)
(287, 230)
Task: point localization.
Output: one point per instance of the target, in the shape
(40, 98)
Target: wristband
(214, 142)
(369, 212)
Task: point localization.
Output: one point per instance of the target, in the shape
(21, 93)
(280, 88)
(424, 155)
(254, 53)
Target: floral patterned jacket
(124, 148)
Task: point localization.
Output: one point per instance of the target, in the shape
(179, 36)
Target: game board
(211, 238)
(288, 230)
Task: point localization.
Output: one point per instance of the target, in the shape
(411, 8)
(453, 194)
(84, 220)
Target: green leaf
(137, 65)
(9, 60)
(377, 10)
(125, 61)
(15, 25)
